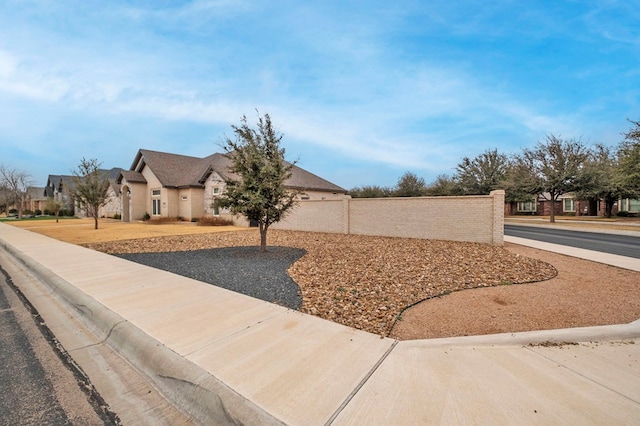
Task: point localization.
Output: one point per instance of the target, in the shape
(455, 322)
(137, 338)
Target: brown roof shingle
(179, 171)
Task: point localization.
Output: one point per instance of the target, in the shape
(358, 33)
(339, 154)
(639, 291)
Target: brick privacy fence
(476, 218)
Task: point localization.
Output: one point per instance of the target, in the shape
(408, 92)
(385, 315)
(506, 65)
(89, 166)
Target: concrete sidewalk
(227, 358)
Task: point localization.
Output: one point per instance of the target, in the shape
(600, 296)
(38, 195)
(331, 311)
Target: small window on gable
(155, 192)
(184, 198)
(216, 190)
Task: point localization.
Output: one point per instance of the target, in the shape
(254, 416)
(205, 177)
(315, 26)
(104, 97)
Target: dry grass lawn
(80, 231)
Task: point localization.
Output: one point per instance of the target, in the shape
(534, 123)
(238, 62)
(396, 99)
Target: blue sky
(363, 91)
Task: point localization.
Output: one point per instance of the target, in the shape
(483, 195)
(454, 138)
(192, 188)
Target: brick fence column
(346, 214)
(498, 217)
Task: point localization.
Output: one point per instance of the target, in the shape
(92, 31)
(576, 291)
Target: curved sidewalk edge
(600, 333)
(595, 256)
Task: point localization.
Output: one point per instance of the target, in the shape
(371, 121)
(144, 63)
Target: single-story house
(569, 205)
(35, 199)
(161, 184)
(31, 200)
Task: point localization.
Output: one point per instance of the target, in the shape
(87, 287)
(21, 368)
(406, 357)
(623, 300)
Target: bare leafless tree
(90, 186)
(15, 182)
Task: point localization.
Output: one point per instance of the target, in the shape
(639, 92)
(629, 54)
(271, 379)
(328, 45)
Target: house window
(155, 207)
(184, 198)
(526, 206)
(216, 191)
(568, 205)
(155, 202)
(216, 211)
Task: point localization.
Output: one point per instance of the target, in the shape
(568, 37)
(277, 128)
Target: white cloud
(391, 85)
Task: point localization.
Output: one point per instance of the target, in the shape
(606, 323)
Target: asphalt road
(622, 245)
(36, 387)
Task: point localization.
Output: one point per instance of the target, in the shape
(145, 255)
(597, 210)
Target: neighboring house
(161, 184)
(569, 205)
(35, 199)
(60, 188)
(31, 200)
(113, 207)
(629, 205)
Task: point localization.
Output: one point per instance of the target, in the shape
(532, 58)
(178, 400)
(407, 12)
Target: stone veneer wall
(477, 218)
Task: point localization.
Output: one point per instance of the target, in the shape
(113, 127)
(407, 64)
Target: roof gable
(172, 170)
(179, 171)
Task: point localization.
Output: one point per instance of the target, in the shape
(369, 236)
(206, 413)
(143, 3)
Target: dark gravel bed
(244, 270)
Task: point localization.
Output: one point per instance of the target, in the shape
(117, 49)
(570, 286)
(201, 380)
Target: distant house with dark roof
(161, 184)
(60, 188)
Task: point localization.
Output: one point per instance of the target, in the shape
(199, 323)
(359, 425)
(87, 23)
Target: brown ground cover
(368, 282)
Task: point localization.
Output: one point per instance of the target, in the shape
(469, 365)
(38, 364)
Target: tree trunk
(609, 202)
(263, 236)
(94, 213)
(552, 214)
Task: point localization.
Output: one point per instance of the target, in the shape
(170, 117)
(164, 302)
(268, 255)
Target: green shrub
(623, 213)
(117, 216)
(38, 212)
(146, 217)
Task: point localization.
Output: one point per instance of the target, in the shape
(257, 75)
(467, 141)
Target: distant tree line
(553, 167)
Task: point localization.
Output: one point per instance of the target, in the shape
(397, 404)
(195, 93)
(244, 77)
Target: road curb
(190, 388)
